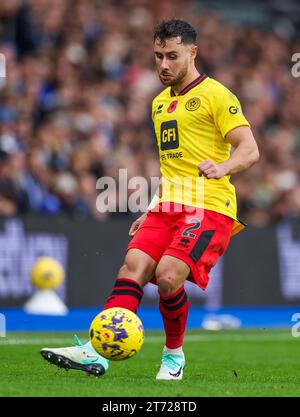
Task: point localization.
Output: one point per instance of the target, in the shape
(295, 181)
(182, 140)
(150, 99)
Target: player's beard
(178, 79)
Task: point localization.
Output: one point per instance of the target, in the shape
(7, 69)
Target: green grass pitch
(226, 363)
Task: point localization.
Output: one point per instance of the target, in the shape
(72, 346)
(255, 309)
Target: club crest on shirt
(193, 104)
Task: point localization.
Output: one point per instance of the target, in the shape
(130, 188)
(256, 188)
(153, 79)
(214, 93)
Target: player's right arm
(138, 222)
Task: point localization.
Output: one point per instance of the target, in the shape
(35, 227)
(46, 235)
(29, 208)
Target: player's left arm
(245, 154)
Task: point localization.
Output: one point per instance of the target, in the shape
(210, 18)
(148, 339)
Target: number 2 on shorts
(195, 226)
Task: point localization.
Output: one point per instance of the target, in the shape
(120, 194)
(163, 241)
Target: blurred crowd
(76, 103)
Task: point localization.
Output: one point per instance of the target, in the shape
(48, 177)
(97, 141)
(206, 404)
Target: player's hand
(211, 169)
(137, 224)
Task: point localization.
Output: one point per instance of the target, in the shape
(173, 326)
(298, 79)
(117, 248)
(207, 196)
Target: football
(47, 273)
(117, 334)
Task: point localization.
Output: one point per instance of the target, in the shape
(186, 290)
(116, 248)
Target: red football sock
(174, 310)
(126, 293)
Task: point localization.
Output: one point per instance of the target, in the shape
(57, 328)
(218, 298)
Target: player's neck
(187, 80)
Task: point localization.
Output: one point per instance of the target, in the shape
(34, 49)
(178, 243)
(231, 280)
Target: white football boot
(172, 366)
(80, 357)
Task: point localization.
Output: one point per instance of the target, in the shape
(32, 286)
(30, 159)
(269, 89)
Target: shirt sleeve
(227, 111)
(153, 110)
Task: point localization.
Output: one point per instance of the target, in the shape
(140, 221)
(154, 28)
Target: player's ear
(194, 49)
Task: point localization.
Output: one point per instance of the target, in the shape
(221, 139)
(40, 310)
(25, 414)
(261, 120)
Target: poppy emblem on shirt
(193, 104)
(172, 106)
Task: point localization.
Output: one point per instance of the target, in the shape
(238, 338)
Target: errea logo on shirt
(159, 109)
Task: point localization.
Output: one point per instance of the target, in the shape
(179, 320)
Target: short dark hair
(172, 28)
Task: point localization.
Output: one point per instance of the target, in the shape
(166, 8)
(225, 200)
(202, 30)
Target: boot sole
(67, 364)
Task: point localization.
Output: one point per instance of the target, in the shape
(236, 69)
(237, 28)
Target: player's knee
(138, 271)
(166, 280)
(130, 271)
(124, 271)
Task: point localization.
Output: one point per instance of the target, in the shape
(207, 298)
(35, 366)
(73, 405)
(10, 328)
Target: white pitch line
(20, 341)
(227, 338)
(158, 339)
